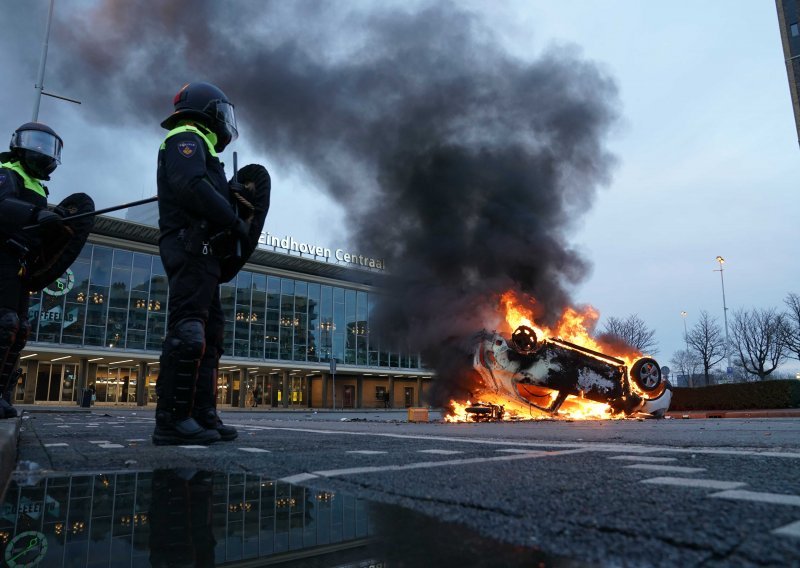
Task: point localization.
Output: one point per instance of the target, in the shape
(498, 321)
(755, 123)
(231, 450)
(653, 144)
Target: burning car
(527, 372)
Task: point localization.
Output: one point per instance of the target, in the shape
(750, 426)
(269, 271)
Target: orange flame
(575, 326)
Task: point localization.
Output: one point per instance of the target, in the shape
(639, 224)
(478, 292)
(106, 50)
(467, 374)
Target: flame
(575, 326)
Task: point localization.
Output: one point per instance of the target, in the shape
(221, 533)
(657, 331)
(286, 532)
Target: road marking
(665, 468)
(55, 444)
(90, 426)
(366, 452)
(643, 459)
(514, 451)
(421, 465)
(699, 483)
(99, 441)
(440, 452)
(138, 440)
(584, 446)
(64, 426)
(194, 447)
(108, 446)
(773, 498)
(792, 529)
(255, 450)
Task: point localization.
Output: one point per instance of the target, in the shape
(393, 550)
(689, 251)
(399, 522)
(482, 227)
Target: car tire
(524, 340)
(646, 375)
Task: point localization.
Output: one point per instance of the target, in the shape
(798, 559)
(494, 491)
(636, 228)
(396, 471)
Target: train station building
(289, 312)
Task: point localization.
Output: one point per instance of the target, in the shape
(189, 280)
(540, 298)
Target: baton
(101, 211)
(236, 205)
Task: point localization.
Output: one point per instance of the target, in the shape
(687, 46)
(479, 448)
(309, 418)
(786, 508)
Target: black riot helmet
(206, 104)
(38, 148)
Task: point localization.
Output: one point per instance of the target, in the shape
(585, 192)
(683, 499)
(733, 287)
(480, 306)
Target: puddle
(191, 518)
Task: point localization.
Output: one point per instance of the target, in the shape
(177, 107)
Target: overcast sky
(706, 150)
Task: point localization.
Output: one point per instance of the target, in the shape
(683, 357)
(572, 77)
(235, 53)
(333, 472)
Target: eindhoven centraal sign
(289, 245)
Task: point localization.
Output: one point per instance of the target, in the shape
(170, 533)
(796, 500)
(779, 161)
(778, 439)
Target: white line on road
(585, 446)
(421, 465)
(665, 468)
(514, 451)
(440, 452)
(699, 483)
(56, 444)
(99, 441)
(792, 529)
(109, 446)
(773, 498)
(137, 440)
(366, 452)
(194, 447)
(644, 459)
(255, 450)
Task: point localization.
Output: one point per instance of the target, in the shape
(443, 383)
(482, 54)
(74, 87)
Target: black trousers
(13, 297)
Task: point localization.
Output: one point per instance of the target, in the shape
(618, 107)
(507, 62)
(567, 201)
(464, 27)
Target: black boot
(174, 431)
(205, 399)
(175, 387)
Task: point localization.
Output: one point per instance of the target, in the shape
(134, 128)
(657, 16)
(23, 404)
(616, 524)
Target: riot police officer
(201, 230)
(35, 152)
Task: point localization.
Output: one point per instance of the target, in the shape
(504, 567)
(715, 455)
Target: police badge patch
(187, 149)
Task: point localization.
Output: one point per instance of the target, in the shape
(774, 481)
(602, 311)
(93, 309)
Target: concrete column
(286, 391)
(141, 385)
(419, 391)
(83, 373)
(323, 403)
(242, 386)
(359, 392)
(30, 381)
(390, 389)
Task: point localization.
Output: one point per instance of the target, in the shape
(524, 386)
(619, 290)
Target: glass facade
(114, 298)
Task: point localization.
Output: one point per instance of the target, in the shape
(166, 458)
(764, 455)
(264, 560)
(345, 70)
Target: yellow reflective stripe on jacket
(193, 130)
(31, 183)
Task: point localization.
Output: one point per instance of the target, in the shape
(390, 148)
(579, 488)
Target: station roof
(145, 234)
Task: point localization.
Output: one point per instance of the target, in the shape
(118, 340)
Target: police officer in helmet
(199, 227)
(35, 152)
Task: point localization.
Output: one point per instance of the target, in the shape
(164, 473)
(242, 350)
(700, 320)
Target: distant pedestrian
(256, 396)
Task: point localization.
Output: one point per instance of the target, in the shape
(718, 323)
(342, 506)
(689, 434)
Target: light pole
(729, 370)
(40, 74)
(685, 332)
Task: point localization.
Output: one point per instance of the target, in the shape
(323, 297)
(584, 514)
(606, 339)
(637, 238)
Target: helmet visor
(226, 119)
(40, 142)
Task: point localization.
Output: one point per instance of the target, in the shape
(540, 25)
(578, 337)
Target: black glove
(241, 195)
(240, 229)
(48, 220)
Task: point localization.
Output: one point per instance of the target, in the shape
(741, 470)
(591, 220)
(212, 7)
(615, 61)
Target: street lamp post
(689, 381)
(721, 261)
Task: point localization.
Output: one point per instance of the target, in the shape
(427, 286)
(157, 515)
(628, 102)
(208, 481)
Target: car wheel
(524, 339)
(646, 375)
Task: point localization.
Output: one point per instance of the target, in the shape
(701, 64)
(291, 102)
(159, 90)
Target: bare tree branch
(687, 362)
(633, 331)
(760, 336)
(708, 341)
(792, 302)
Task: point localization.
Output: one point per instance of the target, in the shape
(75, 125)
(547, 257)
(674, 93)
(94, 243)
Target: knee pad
(189, 337)
(9, 328)
(22, 335)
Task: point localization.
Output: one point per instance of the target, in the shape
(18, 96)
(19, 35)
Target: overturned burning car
(527, 372)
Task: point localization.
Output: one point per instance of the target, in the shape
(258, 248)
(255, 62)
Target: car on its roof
(543, 373)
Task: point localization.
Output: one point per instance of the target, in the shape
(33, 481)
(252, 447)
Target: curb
(767, 413)
(9, 437)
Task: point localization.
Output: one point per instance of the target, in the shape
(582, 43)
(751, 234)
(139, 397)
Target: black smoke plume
(462, 166)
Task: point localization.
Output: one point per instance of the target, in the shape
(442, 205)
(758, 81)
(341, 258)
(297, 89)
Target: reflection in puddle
(196, 518)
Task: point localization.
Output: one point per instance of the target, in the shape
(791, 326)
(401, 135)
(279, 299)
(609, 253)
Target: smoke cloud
(462, 166)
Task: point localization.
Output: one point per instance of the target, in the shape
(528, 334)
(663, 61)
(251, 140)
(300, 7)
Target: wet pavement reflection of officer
(181, 532)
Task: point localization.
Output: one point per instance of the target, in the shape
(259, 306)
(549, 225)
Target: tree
(687, 362)
(792, 302)
(760, 337)
(633, 331)
(708, 341)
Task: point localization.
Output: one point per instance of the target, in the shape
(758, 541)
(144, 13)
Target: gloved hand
(240, 229)
(48, 220)
(241, 194)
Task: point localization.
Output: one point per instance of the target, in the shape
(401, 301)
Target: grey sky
(706, 149)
